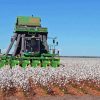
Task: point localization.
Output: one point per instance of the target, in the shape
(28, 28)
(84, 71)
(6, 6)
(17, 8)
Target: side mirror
(57, 43)
(53, 41)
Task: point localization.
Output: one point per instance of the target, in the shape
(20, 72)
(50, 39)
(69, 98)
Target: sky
(75, 23)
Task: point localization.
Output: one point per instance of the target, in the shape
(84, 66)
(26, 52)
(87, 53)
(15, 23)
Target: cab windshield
(32, 45)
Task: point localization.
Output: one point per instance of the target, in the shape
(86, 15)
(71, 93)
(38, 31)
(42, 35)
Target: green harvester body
(31, 45)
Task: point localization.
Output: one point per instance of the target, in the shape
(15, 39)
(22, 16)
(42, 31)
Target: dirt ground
(70, 97)
(66, 97)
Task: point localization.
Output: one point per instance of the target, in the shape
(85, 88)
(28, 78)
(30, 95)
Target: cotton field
(76, 76)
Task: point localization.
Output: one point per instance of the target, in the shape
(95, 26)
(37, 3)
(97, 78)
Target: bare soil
(65, 97)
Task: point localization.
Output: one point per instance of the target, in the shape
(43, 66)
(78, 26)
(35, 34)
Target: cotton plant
(77, 69)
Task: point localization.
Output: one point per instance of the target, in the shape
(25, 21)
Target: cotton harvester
(31, 48)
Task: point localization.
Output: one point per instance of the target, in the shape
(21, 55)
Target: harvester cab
(31, 47)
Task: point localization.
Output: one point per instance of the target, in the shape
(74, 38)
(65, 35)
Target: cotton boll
(77, 69)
